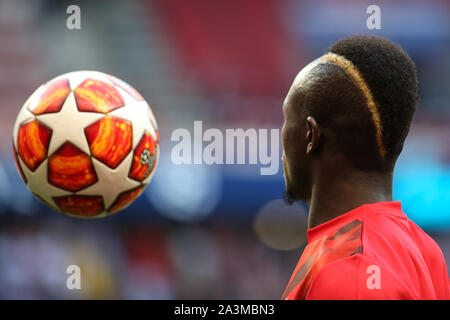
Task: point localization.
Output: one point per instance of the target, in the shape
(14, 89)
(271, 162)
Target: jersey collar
(393, 208)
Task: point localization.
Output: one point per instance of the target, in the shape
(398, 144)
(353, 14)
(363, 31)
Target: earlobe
(309, 148)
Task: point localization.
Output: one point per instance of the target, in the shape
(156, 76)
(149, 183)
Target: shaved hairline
(352, 71)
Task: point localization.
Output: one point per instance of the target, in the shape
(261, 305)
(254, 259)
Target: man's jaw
(288, 198)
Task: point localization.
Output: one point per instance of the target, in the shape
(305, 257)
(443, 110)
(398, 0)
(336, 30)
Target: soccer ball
(86, 144)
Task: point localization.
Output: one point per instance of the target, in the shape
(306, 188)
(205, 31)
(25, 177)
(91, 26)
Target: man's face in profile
(293, 136)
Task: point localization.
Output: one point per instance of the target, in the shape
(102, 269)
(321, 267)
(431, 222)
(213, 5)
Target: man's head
(351, 108)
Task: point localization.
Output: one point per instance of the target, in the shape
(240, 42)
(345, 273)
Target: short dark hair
(391, 78)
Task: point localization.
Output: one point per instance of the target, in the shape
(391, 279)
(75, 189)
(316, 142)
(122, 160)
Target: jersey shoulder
(398, 260)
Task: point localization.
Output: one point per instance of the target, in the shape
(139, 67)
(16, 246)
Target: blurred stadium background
(202, 231)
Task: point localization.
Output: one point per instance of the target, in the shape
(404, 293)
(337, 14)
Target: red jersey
(371, 252)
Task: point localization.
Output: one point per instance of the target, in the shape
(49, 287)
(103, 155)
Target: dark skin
(316, 171)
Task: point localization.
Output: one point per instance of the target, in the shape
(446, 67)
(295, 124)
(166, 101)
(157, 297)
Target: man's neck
(333, 197)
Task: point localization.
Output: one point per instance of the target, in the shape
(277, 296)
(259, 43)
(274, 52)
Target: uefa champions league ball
(86, 144)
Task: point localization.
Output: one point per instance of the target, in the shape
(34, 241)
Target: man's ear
(312, 135)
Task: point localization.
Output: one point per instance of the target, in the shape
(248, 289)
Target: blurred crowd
(139, 262)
